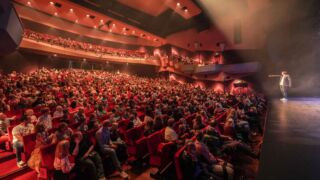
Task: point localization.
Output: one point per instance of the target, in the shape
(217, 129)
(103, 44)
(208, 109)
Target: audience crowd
(63, 106)
(88, 47)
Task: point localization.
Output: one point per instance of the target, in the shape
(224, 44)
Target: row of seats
(178, 155)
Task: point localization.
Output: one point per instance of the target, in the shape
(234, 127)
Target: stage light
(51, 3)
(71, 10)
(133, 32)
(56, 14)
(29, 3)
(178, 4)
(95, 26)
(76, 21)
(55, 55)
(87, 15)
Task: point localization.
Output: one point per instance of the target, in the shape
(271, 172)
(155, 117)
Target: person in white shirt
(170, 134)
(45, 118)
(58, 113)
(24, 128)
(284, 83)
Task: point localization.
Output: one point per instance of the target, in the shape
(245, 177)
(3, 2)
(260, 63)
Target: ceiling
(159, 22)
(159, 17)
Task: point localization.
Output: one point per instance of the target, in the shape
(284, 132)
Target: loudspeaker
(11, 28)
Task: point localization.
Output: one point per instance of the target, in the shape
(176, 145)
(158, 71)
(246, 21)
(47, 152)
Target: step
(9, 169)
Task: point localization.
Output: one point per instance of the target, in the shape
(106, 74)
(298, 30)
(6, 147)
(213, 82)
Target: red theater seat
(131, 136)
(153, 142)
(47, 156)
(177, 158)
(166, 153)
(29, 142)
(141, 148)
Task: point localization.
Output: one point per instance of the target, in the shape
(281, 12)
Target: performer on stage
(285, 83)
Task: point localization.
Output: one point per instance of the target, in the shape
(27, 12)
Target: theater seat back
(177, 159)
(154, 140)
(47, 155)
(29, 142)
(47, 158)
(133, 134)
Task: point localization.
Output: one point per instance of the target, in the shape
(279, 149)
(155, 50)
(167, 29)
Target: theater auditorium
(159, 89)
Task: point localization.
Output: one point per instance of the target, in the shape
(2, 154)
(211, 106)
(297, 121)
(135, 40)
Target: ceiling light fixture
(87, 15)
(76, 21)
(29, 3)
(51, 3)
(71, 10)
(178, 4)
(56, 14)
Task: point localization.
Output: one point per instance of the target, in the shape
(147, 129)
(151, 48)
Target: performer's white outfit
(285, 83)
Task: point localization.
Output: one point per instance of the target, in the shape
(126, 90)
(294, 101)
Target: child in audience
(61, 163)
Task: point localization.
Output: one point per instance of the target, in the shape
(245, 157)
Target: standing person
(284, 83)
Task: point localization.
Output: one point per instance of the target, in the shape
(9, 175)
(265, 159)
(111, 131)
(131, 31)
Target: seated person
(45, 118)
(61, 163)
(121, 147)
(157, 125)
(197, 123)
(24, 128)
(30, 114)
(79, 115)
(148, 128)
(184, 133)
(191, 166)
(43, 138)
(4, 124)
(170, 134)
(87, 161)
(93, 123)
(58, 113)
(107, 147)
(219, 143)
(216, 166)
(63, 132)
(83, 127)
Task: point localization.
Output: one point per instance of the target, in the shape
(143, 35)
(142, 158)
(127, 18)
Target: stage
(291, 147)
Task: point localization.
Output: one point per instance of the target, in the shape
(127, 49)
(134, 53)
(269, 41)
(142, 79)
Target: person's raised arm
(274, 75)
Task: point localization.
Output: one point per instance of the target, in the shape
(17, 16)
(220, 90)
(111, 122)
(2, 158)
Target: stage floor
(291, 147)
